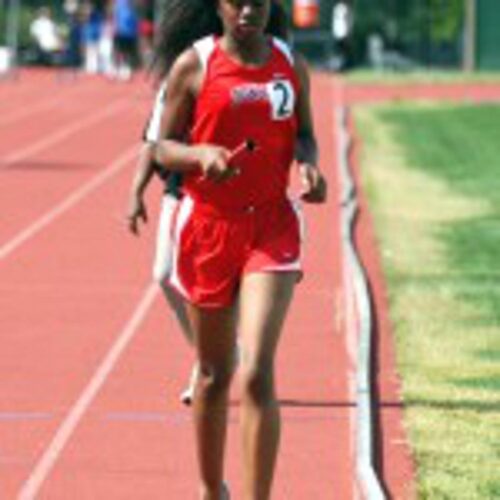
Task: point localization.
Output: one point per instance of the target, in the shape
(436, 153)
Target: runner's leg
(264, 302)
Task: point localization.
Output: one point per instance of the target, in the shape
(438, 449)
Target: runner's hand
(215, 162)
(314, 184)
(137, 210)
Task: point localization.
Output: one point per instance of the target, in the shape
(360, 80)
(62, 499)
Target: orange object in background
(305, 13)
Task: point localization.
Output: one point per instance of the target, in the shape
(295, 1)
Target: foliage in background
(27, 13)
(428, 31)
(447, 19)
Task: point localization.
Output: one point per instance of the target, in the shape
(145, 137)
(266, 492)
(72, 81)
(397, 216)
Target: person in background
(93, 13)
(126, 38)
(146, 31)
(237, 114)
(145, 170)
(47, 39)
(342, 24)
(106, 42)
(73, 57)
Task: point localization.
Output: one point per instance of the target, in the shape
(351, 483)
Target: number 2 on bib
(282, 99)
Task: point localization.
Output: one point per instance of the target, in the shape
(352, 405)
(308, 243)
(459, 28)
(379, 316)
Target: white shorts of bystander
(162, 265)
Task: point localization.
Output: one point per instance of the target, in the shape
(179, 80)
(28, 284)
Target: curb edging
(365, 470)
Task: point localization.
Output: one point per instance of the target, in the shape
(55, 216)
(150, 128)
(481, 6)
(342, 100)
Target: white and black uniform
(163, 255)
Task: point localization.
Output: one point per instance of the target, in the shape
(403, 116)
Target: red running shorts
(213, 250)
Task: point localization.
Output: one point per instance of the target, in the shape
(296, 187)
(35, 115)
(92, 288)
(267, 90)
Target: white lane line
(8, 119)
(67, 203)
(61, 134)
(23, 416)
(51, 454)
(18, 114)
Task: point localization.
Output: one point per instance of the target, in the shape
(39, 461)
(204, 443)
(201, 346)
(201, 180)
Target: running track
(91, 362)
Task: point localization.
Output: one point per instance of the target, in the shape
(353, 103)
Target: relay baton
(247, 146)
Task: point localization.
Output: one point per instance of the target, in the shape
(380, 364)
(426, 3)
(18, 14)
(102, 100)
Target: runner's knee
(257, 385)
(215, 379)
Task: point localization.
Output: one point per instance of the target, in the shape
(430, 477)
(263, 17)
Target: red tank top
(237, 103)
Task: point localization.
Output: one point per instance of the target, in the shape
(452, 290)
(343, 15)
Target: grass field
(432, 175)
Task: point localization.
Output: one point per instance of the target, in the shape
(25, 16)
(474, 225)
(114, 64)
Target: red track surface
(71, 279)
(91, 363)
(83, 416)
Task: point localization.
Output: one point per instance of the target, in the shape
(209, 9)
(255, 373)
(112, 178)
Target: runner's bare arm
(144, 172)
(306, 149)
(184, 82)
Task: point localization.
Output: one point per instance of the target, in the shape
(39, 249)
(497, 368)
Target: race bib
(282, 98)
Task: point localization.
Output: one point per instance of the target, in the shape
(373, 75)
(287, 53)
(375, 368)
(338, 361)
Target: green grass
(432, 175)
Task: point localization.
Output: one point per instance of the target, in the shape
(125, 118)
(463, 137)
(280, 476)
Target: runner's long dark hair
(182, 22)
